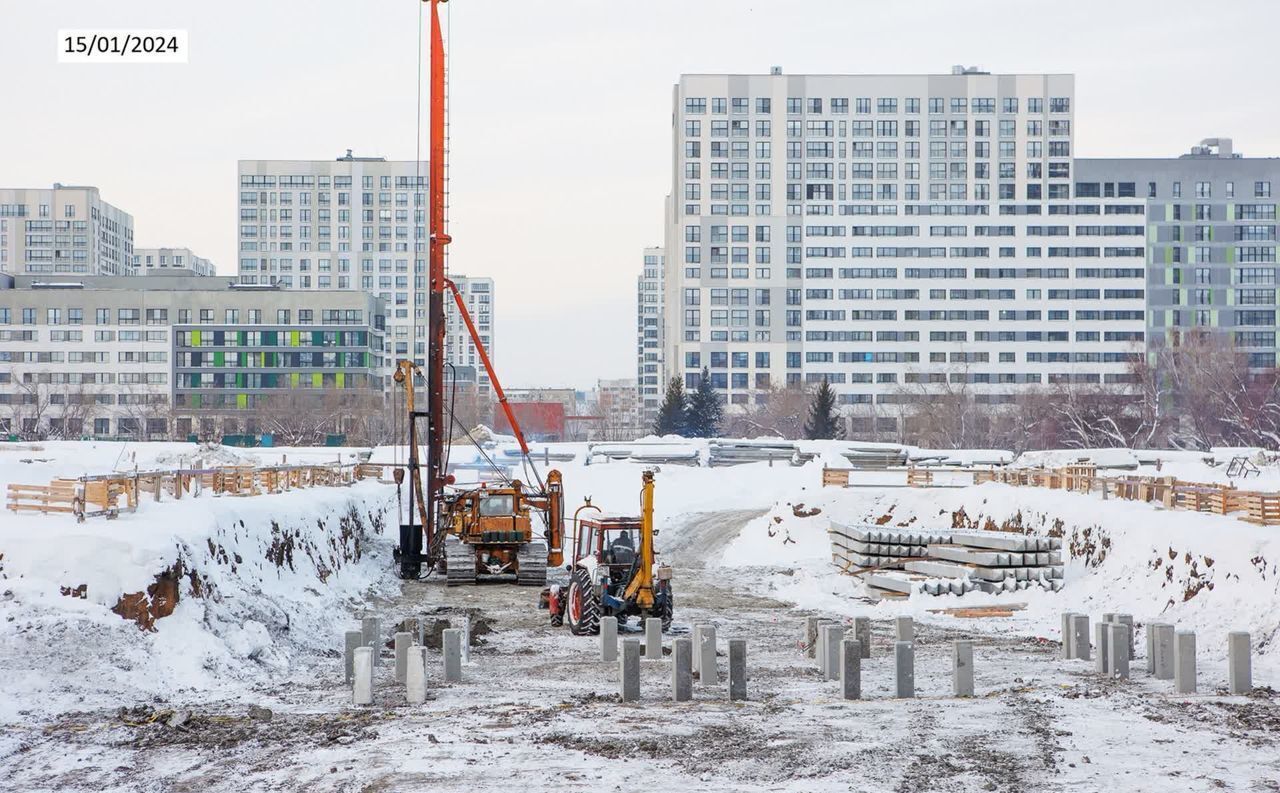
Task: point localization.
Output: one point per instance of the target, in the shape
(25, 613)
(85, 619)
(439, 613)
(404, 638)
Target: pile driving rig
(482, 532)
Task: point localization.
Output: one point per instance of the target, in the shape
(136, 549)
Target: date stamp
(122, 46)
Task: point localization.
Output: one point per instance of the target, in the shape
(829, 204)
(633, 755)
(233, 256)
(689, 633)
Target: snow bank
(1208, 573)
(256, 581)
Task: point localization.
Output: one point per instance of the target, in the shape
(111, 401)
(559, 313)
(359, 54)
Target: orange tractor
(490, 534)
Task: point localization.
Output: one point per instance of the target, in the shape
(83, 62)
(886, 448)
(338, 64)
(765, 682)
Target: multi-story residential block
(618, 406)
(350, 223)
(166, 261)
(63, 230)
(893, 235)
(460, 349)
(175, 355)
(649, 374)
(1210, 232)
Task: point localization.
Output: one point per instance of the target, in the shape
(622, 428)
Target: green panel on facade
(1231, 254)
(293, 380)
(219, 358)
(317, 380)
(196, 399)
(195, 338)
(1168, 255)
(341, 380)
(1231, 297)
(269, 338)
(1168, 213)
(317, 338)
(195, 380)
(294, 335)
(242, 401)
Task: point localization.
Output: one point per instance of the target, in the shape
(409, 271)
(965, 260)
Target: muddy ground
(538, 711)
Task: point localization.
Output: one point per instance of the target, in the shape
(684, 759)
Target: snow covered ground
(281, 577)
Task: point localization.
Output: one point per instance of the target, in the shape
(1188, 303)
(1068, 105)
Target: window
(1262, 189)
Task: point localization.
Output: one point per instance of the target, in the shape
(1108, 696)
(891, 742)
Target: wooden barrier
(110, 494)
(1211, 498)
(835, 477)
(917, 477)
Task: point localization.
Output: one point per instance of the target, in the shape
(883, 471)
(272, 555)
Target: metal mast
(438, 239)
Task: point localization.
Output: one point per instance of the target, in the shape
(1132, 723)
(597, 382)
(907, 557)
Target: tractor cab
(609, 540)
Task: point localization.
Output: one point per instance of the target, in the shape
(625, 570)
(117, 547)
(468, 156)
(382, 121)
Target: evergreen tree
(705, 410)
(673, 414)
(824, 422)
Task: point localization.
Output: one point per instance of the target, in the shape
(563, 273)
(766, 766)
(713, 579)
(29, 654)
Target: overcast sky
(561, 115)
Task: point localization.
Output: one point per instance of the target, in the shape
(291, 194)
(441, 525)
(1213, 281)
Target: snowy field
(267, 584)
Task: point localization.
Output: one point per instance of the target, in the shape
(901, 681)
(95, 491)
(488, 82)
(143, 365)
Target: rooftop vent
(775, 70)
(960, 69)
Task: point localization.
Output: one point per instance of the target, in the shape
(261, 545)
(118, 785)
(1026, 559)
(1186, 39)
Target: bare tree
(778, 412)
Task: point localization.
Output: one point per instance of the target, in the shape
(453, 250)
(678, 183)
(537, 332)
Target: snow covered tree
(705, 410)
(673, 413)
(824, 420)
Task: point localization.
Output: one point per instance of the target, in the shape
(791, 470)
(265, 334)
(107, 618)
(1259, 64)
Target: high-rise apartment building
(460, 349)
(893, 235)
(649, 383)
(168, 261)
(1210, 231)
(63, 230)
(350, 223)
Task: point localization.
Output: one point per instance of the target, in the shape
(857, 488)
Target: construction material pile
(895, 563)
(875, 456)
(737, 452)
(646, 452)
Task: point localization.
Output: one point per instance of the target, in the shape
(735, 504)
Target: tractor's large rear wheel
(582, 606)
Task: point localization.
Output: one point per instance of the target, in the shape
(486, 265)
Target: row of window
(160, 316)
(862, 105)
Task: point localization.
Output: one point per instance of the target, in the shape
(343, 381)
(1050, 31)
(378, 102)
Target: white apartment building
(65, 229)
(649, 382)
(167, 261)
(460, 349)
(893, 234)
(349, 223)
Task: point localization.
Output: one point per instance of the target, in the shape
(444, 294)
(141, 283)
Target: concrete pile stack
(875, 457)
(724, 453)
(943, 562)
(876, 546)
(995, 561)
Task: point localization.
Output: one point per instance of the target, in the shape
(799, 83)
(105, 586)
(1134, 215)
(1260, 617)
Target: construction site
(465, 609)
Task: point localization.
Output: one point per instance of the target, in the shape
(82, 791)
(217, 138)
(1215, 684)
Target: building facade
(460, 349)
(63, 230)
(649, 302)
(166, 261)
(893, 235)
(354, 223)
(176, 355)
(618, 405)
(1210, 231)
